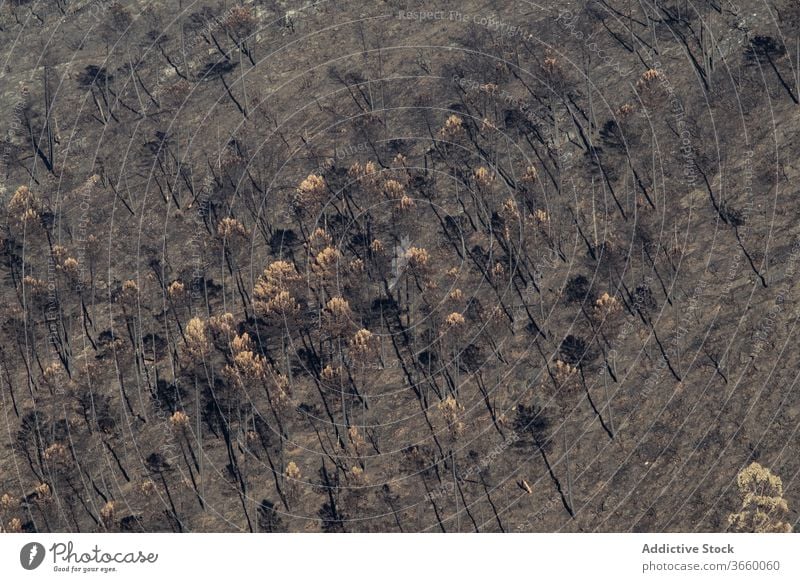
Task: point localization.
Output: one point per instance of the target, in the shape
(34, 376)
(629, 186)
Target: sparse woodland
(269, 268)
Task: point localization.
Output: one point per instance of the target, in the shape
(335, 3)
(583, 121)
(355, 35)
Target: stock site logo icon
(399, 261)
(31, 555)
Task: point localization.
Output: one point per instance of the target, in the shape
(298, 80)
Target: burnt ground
(569, 230)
